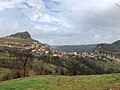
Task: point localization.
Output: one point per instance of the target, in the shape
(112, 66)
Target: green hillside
(115, 46)
(92, 82)
(3, 73)
(20, 37)
(21, 41)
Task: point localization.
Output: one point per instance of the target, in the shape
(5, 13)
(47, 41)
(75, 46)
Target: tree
(117, 4)
(73, 67)
(22, 57)
(25, 56)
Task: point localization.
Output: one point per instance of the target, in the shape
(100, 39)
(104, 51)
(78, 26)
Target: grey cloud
(77, 22)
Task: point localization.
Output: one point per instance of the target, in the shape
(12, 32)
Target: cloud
(62, 21)
(4, 4)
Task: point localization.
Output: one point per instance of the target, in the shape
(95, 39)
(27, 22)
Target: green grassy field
(92, 82)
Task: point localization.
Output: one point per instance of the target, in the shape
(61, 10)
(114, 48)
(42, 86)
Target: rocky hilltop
(21, 35)
(24, 41)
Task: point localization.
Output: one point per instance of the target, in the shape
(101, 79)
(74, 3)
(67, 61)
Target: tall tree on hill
(22, 57)
(25, 56)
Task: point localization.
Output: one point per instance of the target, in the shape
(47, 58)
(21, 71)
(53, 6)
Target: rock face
(21, 35)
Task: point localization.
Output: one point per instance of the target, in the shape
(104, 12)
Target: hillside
(115, 46)
(76, 48)
(3, 73)
(22, 58)
(106, 47)
(92, 82)
(20, 37)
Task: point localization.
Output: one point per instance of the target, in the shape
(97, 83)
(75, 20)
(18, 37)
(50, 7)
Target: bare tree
(117, 4)
(24, 56)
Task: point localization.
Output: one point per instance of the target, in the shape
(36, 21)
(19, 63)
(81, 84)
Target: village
(40, 49)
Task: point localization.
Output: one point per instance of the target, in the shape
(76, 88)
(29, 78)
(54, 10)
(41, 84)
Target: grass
(4, 55)
(92, 82)
(3, 72)
(21, 41)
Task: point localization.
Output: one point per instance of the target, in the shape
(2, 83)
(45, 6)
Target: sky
(62, 22)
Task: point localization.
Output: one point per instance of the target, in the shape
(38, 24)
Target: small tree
(73, 67)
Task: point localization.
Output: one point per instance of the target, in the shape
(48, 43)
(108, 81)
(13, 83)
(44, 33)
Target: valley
(23, 58)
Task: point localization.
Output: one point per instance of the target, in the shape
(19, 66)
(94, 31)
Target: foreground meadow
(92, 82)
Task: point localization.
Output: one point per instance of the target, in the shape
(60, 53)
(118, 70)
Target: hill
(106, 47)
(22, 57)
(20, 37)
(76, 48)
(92, 82)
(115, 46)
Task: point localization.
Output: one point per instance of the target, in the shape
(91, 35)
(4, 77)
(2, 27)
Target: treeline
(85, 65)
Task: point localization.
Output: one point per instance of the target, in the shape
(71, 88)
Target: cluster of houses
(40, 49)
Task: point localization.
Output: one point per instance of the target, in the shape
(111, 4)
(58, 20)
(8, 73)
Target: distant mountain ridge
(115, 46)
(76, 48)
(25, 38)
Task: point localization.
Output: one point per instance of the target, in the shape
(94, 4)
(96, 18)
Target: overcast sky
(62, 22)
